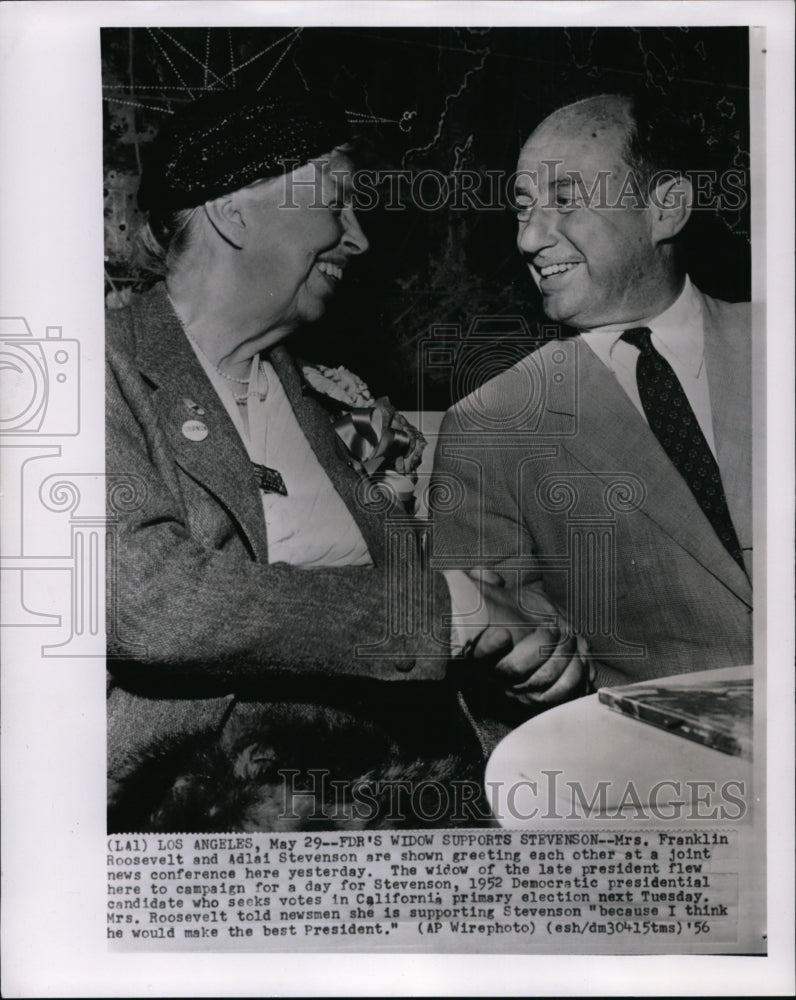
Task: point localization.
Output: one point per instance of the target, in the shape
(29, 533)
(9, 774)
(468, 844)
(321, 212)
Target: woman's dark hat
(229, 139)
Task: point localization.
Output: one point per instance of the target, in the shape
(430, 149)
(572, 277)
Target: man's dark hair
(664, 137)
(661, 139)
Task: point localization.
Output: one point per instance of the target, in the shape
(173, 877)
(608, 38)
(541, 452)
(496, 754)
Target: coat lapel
(316, 424)
(219, 462)
(610, 437)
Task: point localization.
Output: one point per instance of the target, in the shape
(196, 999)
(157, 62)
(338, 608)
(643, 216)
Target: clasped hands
(526, 652)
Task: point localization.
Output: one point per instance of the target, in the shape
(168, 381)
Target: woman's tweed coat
(199, 621)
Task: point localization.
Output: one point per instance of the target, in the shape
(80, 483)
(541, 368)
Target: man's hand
(534, 674)
(522, 648)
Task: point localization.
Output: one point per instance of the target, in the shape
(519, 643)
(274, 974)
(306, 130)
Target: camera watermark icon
(471, 359)
(40, 387)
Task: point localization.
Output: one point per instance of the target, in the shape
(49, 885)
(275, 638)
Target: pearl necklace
(241, 398)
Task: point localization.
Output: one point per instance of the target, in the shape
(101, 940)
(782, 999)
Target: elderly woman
(248, 585)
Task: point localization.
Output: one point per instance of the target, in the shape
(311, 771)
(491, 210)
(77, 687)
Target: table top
(583, 760)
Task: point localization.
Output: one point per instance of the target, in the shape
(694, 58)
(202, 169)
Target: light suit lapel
(611, 436)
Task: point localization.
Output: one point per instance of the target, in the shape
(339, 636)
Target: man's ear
(226, 217)
(670, 205)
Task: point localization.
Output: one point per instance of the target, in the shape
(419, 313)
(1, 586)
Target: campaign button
(195, 430)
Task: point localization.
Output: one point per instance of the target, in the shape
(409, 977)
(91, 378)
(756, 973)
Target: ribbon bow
(378, 441)
(375, 437)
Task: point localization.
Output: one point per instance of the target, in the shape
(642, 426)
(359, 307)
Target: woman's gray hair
(164, 238)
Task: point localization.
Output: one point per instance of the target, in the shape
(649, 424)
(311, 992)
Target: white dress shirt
(678, 335)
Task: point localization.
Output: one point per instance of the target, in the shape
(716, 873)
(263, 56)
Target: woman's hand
(539, 664)
(535, 674)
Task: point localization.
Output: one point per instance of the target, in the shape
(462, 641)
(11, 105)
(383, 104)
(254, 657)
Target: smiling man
(253, 578)
(611, 469)
(596, 253)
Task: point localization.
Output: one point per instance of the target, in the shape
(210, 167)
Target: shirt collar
(678, 329)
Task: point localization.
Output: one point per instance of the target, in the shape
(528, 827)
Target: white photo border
(53, 711)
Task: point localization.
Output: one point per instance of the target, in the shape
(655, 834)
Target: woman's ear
(670, 204)
(226, 217)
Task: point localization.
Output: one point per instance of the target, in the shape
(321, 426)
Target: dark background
(472, 96)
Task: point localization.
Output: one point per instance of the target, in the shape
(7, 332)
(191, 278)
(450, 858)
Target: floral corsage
(376, 439)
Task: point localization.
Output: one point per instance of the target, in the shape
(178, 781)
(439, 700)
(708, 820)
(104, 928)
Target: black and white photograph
(396, 482)
(277, 615)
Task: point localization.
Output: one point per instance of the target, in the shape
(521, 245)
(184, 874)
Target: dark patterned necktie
(674, 424)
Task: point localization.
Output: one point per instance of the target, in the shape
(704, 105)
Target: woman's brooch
(376, 439)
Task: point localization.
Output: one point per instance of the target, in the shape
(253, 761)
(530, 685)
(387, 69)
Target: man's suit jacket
(562, 483)
(197, 615)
